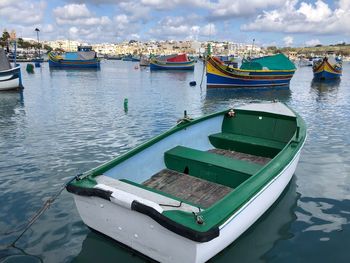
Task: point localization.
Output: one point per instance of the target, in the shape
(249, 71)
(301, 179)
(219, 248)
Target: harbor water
(68, 121)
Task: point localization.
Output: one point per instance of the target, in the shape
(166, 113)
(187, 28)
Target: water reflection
(231, 97)
(282, 94)
(260, 238)
(75, 72)
(323, 233)
(99, 248)
(324, 86)
(9, 101)
(176, 75)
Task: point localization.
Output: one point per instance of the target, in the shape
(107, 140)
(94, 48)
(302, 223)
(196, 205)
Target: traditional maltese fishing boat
(10, 78)
(172, 62)
(85, 57)
(325, 69)
(264, 72)
(188, 193)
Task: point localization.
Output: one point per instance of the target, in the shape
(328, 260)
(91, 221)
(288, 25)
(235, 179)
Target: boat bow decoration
(324, 69)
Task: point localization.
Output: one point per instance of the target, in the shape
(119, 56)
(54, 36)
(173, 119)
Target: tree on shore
(4, 38)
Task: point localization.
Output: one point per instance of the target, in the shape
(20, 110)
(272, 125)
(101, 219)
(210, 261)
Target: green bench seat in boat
(246, 144)
(210, 166)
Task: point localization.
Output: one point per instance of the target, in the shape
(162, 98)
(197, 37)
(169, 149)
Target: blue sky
(270, 22)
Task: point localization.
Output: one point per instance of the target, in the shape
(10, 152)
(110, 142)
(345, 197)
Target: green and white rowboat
(188, 193)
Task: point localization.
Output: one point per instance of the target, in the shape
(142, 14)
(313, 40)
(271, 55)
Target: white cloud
(312, 42)
(288, 41)
(47, 28)
(170, 4)
(237, 8)
(97, 2)
(71, 11)
(78, 15)
(179, 27)
(134, 36)
(209, 30)
(136, 11)
(22, 12)
(73, 30)
(293, 17)
(121, 19)
(320, 12)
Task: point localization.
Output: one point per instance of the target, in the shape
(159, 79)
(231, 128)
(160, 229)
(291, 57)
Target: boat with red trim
(172, 62)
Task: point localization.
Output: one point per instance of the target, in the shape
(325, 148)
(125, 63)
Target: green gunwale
(217, 214)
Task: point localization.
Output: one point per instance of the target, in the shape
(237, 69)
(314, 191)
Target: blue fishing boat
(324, 69)
(85, 57)
(264, 72)
(172, 62)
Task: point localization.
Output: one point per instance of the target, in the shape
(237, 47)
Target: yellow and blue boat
(264, 72)
(323, 69)
(85, 57)
(172, 62)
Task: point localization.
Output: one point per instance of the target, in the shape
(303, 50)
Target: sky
(269, 22)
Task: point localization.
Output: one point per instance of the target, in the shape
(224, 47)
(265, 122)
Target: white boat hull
(145, 235)
(10, 79)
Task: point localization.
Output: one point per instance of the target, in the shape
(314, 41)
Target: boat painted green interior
(252, 134)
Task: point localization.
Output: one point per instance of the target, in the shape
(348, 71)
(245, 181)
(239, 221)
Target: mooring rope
(23, 228)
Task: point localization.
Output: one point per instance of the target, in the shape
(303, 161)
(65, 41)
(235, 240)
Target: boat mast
(251, 50)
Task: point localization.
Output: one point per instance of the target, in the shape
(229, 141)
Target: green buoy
(126, 104)
(30, 68)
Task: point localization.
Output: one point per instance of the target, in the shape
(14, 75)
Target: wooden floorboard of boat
(242, 156)
(188, 188)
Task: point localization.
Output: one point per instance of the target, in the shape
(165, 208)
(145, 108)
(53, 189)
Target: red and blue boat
(85, 57)
(324, 69)
(264, 72)
(172, 62)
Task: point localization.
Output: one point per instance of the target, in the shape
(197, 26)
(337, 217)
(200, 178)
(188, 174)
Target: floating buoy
(30, 68)
(193, 83)
(126, 104)
(136, 67)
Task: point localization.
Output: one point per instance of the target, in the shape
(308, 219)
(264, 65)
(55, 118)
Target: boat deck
(188, 188)
(196, 190)
(242, 156)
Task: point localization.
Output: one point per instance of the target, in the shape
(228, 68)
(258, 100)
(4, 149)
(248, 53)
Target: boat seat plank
(210, 166)
(214, 159)
(246, 144)
(186, 187)
(242, 156)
